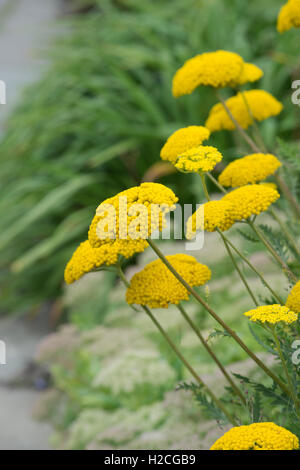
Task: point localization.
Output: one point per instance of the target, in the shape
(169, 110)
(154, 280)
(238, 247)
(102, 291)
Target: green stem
(232, 333)
(211, 353)
(286, 371)
(213, 179)
(259, 274)
(238, 270)
(180, 356)
(284, 229)
(271, 250)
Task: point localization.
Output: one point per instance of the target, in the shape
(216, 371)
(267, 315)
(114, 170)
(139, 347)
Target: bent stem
(284, 229)
(179, 355)
(242, 277)
(271, 250)
(232, 333)
(211, 353)
(286, 371)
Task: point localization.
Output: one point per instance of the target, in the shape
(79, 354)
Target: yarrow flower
(251, 200)
(257, 436)
(289, 16)
(250, 169)
(216, 69)
(211, 216)
(293, 300)
(272, 314)
(250, 73)
(198, 159)
(86, 258)
(157, 287)
(182, 140)
(261, 103)
(132, 215)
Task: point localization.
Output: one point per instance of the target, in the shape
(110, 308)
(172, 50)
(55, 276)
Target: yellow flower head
(198, 159)
(132, 215)
(250, 73)
(257, 436)
(293, 300)
(210, 216)
(157, 287)
(272, 314)
(261, 103)
(250, 169)
(183, 140)
(86, 258)
(289, 16)
(216, 69)
(251, 200)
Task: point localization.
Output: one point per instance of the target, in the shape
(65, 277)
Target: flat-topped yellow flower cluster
(156, 287)
(104, 246)
(121, 223)
(289, 16)
(182, 140)
(260, 103)
(272, 314)
(216, 69)
(257, 436)
(249, 169)
(198, 159)
(237, 205)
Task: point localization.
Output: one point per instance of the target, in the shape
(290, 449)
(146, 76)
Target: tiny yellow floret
(293, 300)
(198, 159)
(156, 287)
(250, 169)
(261, 104)
(257, 436)
(289, 16)
(272, 314)
(182, 140)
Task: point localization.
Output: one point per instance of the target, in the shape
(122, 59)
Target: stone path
(25, 28)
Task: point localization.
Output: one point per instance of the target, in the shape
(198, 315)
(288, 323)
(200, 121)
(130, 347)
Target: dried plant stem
(173, 346)
(211, 353)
